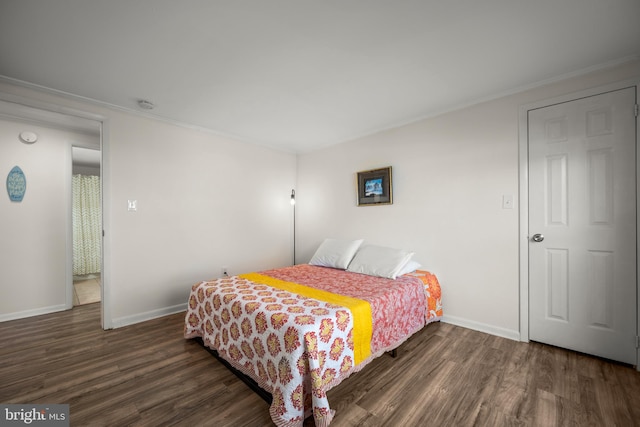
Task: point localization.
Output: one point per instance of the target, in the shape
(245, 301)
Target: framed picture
(375, 187)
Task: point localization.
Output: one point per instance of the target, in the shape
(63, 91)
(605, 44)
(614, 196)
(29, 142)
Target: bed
(299, 331)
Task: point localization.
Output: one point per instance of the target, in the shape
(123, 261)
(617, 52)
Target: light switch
(507, 201)
(132, 205)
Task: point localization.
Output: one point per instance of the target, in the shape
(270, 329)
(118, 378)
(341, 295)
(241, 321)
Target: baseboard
(166, 311)
(30, 313)
(482, 327)
(148, 315)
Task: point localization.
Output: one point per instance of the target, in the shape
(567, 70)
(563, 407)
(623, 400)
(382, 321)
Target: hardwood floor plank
(149, 375)
(354, 415)
(429, 392)
(612, 403)
(630, 391)
(546, 408)
(489, 416)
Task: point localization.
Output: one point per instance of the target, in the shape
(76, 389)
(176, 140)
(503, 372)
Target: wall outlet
(224, 271)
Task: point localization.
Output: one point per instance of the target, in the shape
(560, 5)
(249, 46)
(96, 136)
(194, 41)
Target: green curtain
(87, 225)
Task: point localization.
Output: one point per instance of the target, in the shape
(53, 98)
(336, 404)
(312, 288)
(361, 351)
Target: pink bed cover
(297, 348)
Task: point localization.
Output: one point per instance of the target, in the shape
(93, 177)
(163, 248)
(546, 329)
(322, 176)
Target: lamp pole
(293, 203)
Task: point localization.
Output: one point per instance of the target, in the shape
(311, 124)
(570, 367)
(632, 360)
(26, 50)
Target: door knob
(537, 237)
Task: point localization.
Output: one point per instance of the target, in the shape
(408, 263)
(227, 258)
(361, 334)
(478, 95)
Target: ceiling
(301, 74)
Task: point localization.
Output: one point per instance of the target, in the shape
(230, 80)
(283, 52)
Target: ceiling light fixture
(146, 105)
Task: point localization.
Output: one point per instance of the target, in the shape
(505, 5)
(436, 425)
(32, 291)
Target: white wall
(204, 202)
(449, 175)
(34, 233)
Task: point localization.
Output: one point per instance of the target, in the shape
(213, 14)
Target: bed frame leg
(394, 352)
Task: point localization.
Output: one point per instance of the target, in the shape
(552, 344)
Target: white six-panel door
(582, 225)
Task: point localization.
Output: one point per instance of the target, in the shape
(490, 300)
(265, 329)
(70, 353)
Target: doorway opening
(66, 127)
(86, 225)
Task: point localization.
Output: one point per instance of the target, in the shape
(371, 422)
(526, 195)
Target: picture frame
(375, 187)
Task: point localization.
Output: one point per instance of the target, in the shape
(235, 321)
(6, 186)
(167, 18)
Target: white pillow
(335, 253)
(379, 261)
(409, 267)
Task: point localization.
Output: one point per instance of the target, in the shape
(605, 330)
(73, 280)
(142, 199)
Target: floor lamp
(293, 203)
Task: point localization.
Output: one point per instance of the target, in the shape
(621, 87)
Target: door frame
(523, 154)
(49, 114)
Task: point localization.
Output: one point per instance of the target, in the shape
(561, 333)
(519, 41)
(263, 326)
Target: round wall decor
(16, 184)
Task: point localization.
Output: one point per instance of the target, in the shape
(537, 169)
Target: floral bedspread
(297, 347)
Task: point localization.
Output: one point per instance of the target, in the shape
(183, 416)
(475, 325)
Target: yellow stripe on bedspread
(360, 310)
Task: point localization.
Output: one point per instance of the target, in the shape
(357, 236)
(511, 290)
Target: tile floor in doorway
(86, 289)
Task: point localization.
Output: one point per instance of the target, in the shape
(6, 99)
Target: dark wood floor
(148, 375)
